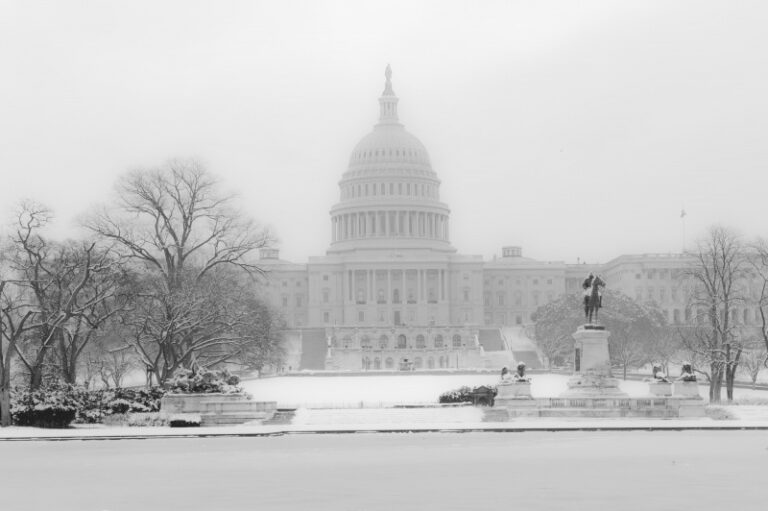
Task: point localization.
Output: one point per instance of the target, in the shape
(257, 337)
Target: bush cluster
(205, 382)
(54, 406)
(460, 395)
(58, 405)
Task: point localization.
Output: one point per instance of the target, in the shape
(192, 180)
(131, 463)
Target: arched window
(383, 342)
(420, 343)
(365, 342)
(396, 296)
(442, 362)
(380, 296)
(439, 341)
(346, 342)
(457, 341)
(366, 363)
(401, 342)
(389, 363)
(334, 342)
(430, 363)
(377, 363)
(417, 363)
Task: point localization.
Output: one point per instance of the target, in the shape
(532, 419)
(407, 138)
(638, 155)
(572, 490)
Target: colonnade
(368, 224)
(363, 286)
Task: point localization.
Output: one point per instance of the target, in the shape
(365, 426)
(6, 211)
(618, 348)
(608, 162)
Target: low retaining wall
(218, 409)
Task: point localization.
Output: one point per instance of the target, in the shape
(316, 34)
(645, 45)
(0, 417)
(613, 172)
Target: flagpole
(683, 214)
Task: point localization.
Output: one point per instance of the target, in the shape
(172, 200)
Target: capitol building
(392, 293)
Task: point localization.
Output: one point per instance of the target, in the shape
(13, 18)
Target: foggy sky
(574, 129)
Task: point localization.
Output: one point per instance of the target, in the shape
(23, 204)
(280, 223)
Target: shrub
(52, 406)
(204, 382)
(460, 395)
(185, 420)
(152, 419)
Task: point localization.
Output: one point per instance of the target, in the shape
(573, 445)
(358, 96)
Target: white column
(419, 274)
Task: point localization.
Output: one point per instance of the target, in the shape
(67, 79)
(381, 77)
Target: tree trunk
(36, 376)
(625, 372)
(5, 405)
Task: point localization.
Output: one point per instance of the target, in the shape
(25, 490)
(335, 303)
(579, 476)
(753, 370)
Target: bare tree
(759, 262)
(14, 324)
(175, 225)
(753, 359)
(67, 286)
(719, 277)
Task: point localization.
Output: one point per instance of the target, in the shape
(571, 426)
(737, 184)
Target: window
(380, 296)
(535, 282)
(431, 363)
(326, 317)
(396, 296)
(365, 342)
(325, 278)
(389, 363)
(401, 342)
(383, 342)
(500, 298)
(417, 363)
(285, 301)
(346, 342)
(285, 283)
(466, 295)
(549, 282)
(420, 342)
(487, 299)
(325, 296)
(298, 300)
(457, 341)
(377, 363)
(439, 341)
(360, 316)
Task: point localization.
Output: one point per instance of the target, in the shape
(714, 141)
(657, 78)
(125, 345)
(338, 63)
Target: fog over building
(392, 292)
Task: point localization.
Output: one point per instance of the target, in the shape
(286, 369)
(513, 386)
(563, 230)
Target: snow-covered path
(533, 471)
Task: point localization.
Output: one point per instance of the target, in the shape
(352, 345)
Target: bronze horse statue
(594, 301)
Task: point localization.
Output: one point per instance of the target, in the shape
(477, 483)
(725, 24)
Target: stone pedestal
(593, 372)
(514, 390)
(687, 389)
(660, 388)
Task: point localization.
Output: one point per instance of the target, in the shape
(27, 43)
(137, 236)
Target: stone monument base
(593, 385)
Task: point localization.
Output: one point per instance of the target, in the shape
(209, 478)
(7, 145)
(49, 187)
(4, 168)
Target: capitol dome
(389, 192)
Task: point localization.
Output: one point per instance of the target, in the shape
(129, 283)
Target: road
(532, 471)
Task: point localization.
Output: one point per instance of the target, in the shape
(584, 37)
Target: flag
(682, 213)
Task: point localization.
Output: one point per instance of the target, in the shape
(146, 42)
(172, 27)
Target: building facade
(393, 293)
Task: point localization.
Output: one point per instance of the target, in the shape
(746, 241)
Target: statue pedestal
(593, 368)
(513, 390)
(687, 389)
(660, 388)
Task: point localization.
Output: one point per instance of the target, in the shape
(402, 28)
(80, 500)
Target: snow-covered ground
(540, 471)
(375, 391)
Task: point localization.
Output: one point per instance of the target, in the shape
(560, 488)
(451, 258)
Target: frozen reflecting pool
(534, 471)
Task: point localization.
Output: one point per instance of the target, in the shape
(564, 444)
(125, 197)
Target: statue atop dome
(388, 85)
(388, 101)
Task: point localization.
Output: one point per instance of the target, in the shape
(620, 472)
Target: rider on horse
(592, 296)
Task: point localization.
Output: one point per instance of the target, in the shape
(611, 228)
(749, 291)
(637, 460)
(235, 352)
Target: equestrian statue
(593, 296)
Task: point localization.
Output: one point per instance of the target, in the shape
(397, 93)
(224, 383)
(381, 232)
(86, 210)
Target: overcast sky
(574, 129)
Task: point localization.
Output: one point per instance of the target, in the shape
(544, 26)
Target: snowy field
(698, 470)
(374, 391)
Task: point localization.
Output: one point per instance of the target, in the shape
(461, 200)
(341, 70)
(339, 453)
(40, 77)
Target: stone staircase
(281, 417)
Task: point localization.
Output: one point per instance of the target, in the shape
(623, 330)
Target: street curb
(343, 431)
